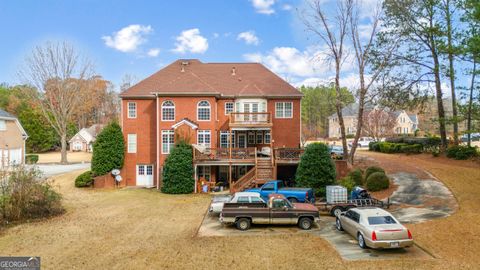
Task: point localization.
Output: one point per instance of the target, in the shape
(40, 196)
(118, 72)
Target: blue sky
(139, 37)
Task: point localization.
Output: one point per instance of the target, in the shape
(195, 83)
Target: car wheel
(338, 224)
(293, 200)
(305, 223)
(335, 212)
(361, 241)
(243, 224)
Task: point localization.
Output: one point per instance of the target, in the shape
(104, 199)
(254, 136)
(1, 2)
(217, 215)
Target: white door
(145, 175)
(15, 156)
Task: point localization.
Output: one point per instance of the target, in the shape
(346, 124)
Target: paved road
(56, 169)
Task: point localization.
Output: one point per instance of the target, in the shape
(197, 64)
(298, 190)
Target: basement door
(145, 175)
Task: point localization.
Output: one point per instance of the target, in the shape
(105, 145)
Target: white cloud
(153, 52)
(128, 38)
(216, 35)
(263, 6)
(289, 61)
(191, 41)
(249, 37)
(287, 7)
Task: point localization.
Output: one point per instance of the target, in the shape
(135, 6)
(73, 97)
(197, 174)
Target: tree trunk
(339, 107)
(361, 108)
(441, 110)
(63, 141)
(470, 104)
(451, 71)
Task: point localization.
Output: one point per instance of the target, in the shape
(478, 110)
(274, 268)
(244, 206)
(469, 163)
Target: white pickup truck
(240, 197)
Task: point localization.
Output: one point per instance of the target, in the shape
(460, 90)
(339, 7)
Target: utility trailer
(337, 200)
(336, 208)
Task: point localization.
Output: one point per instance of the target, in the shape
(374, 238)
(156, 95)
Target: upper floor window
(3, 125)
(168, 111)
(132, 143)
(225, 137)
(203, 111)
(283, 110)
(228, 108)
(132, 110)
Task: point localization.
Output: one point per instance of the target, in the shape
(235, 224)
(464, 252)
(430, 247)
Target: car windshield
(381, 220)
(280, 185)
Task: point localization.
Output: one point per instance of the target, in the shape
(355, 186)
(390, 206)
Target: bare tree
(59, 74)
(378, 123)
(333, 32)
(365, 60)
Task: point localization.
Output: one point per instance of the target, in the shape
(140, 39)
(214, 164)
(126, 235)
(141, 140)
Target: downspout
(157, 156)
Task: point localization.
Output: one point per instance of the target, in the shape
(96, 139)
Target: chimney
(233, 71)
(184, 64)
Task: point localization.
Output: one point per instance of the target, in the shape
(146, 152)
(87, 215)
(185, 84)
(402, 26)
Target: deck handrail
(255, 118)
(241, 183)
(288, 153)
(225, 153)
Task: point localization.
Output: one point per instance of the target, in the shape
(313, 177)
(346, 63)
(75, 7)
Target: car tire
(305, 223)
(361, 241)
(338, 224)
(293, 200)
(243, 224)
(336, 211)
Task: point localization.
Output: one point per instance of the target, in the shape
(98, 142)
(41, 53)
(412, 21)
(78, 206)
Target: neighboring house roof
(193, 78)
(88, 135)
(349, 110)
(8, 116)
(414, 118)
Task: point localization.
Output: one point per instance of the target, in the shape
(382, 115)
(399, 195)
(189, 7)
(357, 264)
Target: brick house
(12, 141)
(242, 120)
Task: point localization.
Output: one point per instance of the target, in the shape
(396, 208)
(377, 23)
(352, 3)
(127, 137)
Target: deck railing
(289, 154)
(250, 118)
(225, 154)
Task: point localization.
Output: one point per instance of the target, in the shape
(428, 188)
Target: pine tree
(316, 168)
(178, 170)
(108, 150)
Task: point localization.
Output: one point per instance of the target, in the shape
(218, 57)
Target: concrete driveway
(49, 170)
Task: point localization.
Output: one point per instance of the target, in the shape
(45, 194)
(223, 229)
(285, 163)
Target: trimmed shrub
(25, 196)
(316, 169)
(178, 170)
(108, 150)
(348, 183)
(374, 146)
(411, 149)
(84, 180)
(372, 169)
(377, 181)
(461, 152)
(31, 159)
(357, 177)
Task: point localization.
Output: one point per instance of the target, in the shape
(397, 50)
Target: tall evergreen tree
(108, 150)
(178, 170)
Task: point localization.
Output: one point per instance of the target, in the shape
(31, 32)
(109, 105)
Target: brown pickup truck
(278, 210)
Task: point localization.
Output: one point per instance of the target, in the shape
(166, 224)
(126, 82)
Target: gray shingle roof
(6, 114)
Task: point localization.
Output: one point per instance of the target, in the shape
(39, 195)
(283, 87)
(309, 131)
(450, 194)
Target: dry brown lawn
(141, 229)
(72, 157)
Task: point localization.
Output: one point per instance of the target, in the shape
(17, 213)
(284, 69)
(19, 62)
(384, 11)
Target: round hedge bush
(357, 176)
(377, 181)
(84, 180)
(372, 169)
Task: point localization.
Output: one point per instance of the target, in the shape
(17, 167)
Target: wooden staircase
(261, 173)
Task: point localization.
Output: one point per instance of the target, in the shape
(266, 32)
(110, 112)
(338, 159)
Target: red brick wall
(285, 132)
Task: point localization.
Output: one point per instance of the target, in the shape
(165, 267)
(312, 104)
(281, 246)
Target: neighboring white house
(405, 123)
(12, 140)
(84, 139)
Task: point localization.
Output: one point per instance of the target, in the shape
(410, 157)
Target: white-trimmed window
(132, 143)
(167, 141)
(3, 125)
(259, 137)
(267, 138)
(224, 138)
(283, 110)
(251, 137)
(205, 172)
(204, 138)
(132, 109)
(203, 111)
(168, 111)
(229, 108)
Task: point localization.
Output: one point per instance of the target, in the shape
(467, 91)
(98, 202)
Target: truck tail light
(306, 196)
(409, 234)
(374, 236)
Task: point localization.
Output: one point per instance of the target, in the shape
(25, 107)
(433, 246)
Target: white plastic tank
(336, 194)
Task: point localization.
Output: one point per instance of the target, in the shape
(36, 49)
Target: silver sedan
(374, 228)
